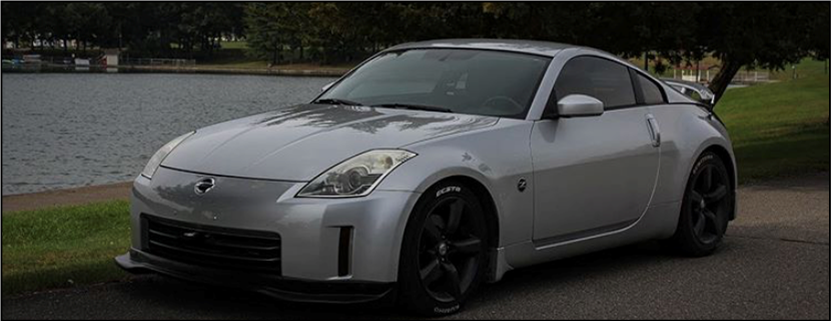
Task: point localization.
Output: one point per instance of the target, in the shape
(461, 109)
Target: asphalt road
(773, 265)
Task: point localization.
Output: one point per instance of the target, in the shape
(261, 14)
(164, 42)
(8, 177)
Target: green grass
(63, 246)
(807, 68)
(779, 129)
(234, 45)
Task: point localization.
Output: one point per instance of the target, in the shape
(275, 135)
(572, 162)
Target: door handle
(654, 130)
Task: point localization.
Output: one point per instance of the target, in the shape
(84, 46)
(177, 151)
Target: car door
(596, 174)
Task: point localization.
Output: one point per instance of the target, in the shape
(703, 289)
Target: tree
(6, 29)
(819, 34)
(264, 32)
(206, 23)
(88, 22)
(23, 22)
(661, 29)
(767, 35)
(8, 22)
(329, 31)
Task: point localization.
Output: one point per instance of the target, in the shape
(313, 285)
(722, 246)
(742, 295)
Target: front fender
(497, 157)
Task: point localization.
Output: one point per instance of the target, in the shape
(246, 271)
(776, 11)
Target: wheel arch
(491, 212)
(486, 201)
(730, 164)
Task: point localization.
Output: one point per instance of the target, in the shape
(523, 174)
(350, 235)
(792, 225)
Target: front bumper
(318, 260)
(279, 287)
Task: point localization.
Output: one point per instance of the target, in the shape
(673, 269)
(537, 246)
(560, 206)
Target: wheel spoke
(717, 223)
(708, 214)
(431, 272)
(456, 211)
(469, 247)
(708, 179)
(454, 286)
(432, 228)
(718, 194)
(699, 224)
(696, 198)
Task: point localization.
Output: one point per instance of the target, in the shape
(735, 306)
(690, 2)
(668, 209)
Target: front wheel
(705, 211)
(443, 256)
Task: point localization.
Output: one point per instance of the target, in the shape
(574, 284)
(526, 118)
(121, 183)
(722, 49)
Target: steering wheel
(497, 104)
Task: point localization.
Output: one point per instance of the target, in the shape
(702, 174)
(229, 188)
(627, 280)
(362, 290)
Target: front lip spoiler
(274, 286)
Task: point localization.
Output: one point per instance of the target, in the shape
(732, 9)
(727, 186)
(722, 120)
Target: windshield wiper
(415, 107)
(337, 101)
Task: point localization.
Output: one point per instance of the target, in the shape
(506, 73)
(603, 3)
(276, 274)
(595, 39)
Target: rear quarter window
(652, 94)
(605, 80)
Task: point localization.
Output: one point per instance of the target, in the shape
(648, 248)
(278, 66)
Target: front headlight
(159, 156)
(356, 176)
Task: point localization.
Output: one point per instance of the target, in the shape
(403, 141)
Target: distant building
(698, 73)
(111, 56)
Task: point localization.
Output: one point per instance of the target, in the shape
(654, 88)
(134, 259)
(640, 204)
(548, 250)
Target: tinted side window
(600, 78)
(651, 92)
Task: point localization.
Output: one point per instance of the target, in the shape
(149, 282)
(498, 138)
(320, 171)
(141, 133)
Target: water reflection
(64, 130)
(372, 120)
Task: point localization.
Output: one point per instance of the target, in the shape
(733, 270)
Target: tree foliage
(767, 35)
(147, 28)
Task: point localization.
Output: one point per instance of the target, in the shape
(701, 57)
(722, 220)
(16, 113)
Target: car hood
(298, 143)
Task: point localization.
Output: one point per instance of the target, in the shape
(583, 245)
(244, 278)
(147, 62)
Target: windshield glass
(480, 82)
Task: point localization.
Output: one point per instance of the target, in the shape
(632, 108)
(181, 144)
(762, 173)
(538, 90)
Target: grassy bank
(63, 246)
(779, 129)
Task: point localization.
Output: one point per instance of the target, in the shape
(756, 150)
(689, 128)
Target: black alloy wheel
(449, 248)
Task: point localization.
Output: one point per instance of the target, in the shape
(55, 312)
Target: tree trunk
(274, 57)
(211, 44)
(728, 70)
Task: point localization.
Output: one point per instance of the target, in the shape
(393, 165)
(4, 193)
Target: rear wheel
(444, 250)
(706, 209)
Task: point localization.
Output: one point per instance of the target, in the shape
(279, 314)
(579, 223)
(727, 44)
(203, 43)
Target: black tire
(706, 208)
(441, 265)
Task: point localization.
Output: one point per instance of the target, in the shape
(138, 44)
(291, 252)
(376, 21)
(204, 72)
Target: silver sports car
(434, 167)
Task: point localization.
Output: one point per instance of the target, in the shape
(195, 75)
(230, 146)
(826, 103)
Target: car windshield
(479, 82)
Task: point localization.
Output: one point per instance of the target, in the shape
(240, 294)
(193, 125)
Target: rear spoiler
(696, 91)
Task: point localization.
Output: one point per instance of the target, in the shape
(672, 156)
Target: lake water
(67, 130)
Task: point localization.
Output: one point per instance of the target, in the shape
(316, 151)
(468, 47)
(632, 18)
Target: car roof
(542, 48)
(533, 47)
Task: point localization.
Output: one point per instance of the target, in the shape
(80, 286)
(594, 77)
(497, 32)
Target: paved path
(774, 264)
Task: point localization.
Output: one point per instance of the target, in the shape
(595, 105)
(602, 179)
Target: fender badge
(522, 185)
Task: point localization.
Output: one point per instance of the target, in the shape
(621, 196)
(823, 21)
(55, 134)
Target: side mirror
(577, 105)
(327, 86)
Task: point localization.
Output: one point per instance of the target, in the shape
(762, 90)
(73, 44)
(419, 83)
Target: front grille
(212, 246)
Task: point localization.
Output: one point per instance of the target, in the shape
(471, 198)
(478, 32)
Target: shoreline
(63, 197)
(121, 191)
(288, 72)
